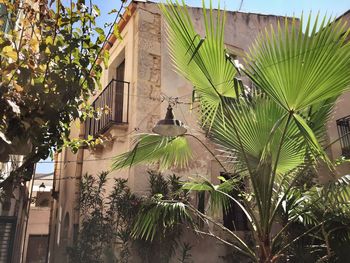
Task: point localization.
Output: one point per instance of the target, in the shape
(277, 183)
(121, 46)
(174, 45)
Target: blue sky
(333, 8)
(46, 167)
(274, 7)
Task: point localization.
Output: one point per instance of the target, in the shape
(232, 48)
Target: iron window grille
(343, 126)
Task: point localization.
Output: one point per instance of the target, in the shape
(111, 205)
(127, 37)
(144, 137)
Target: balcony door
(119, 98)
(37, 248)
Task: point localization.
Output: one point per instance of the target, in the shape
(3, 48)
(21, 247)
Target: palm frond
(299, 69)
(160, 216)
(311, 206)
(317, 116)
(218, 200)
(222, 195)
(337, 194)
(259, 126)
(156, 149)
(202, 61)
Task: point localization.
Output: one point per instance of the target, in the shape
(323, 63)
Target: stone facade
(341, 110)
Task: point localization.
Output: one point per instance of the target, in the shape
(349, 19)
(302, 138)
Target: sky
(45, 166)
(275, 7)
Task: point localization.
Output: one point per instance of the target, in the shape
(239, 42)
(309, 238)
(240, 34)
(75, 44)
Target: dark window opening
(37, 248)
(7, 237)
(343, 126)
(234, 218)
(119, 98)
(42, 199)
(201, 202)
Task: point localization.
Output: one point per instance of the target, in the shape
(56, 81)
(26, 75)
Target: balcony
(112, 107)
(343, 126)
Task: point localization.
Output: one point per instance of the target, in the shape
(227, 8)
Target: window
(42, 199)
(37, 248)
(119, 98)
(7, 237)
(235, 219)
(201, 202)
(343, 126)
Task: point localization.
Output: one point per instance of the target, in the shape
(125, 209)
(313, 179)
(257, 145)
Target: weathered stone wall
(341, 110)
(148, 83)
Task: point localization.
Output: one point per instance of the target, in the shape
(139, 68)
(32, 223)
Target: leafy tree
(323, 213)
(50, 64)
(106, 220)
(165, 241)
(271, 134)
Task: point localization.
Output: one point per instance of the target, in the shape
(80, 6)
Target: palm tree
(271, 133)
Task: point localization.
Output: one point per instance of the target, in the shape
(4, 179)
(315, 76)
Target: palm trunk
(265, 250)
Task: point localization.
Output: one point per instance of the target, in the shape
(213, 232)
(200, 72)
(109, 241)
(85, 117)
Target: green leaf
(251, 124)
(310, 138)
(49, 40)
(200, 60)
(116, 32)
(113, 11)
(156, 149)
(299, 69)
(9, 51)
(159, 216)
(99, 31)
(105, 58)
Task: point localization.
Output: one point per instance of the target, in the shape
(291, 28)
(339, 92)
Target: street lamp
(169, 126)
(42, 187)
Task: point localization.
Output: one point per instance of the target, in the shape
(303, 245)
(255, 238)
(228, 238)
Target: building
(338, 128)
(14, 202)
(139, 71)
(24, 218)
(36, 242)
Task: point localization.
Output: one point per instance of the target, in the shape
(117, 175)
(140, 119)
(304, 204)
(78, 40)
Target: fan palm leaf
(298, 70)
(259, 126)
(321, 207)
(158, 215)
(155, 149)
(220, 194)
(202, 61)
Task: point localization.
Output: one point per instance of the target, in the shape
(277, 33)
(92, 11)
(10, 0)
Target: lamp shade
(42, 187)
(169, 126)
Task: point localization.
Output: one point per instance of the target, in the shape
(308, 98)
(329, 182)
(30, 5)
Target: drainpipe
(27, 217)
(78, 175)
(50, 244)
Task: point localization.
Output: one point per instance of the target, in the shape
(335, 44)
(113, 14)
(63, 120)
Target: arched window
(65, 228)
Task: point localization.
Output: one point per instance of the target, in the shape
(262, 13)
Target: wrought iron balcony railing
(343, 126)
(111, 106)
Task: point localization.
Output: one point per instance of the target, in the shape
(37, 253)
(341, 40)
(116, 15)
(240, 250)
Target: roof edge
(130, 9)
